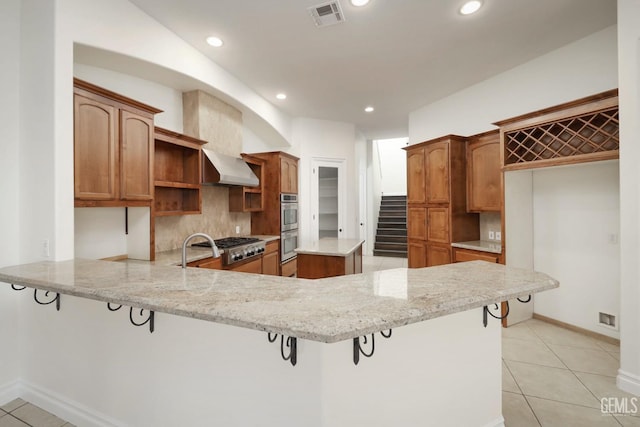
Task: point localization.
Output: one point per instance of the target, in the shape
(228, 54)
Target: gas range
(237, 249)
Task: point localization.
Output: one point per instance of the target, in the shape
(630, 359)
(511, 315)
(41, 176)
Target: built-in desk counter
(330, 257)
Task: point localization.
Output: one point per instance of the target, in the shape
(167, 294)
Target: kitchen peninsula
(195, 372)
(330, 257)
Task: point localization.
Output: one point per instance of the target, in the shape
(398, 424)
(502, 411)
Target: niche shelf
(585, 130)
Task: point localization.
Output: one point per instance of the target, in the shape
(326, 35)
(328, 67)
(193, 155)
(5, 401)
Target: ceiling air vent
(325, 14)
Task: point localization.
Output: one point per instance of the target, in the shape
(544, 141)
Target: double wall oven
(288, 226)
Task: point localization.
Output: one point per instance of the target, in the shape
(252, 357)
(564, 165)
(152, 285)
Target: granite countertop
(331, 247)
(329, 310)
(194, 253)
(480, 245)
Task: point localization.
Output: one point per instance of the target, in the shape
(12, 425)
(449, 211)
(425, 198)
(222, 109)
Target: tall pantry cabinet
(436, 201)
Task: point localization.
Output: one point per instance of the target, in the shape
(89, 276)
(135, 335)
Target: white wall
(582, 68)
(9, 185)
(576, 221)
(374, 192)
(167, 99)
(325, 139)
(629, 75)
(393, 166)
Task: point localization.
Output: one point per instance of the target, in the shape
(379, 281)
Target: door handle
(340, 230)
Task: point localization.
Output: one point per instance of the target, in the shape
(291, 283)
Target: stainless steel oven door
(288, 216)
(288, 245)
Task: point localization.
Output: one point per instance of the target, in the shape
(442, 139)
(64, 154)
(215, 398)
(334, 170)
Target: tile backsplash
(489, 221)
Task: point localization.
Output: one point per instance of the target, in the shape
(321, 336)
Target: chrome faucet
(214, 248)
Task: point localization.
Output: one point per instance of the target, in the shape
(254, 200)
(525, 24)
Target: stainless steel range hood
(220, 169)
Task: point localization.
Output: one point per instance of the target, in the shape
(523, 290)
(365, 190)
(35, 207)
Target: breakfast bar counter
(237, 349)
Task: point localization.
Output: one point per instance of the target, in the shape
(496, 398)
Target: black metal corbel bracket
(358, 349)
(55, 299)
(291, 343)
(486, 311)
(150, 319)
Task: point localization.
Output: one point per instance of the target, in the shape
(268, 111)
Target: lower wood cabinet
(289, 268)
(271, 259)
(252, 266)
(462, 255)
(417, 253)
(211, 263)
(438, 255)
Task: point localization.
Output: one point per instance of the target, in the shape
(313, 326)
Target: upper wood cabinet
(288, 175)
(437, 172)
(280, 172)
(113, 148)
(484, 182)
(416, 176)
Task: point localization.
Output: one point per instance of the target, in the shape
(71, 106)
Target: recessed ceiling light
(281, 96)
(369, 109)
(470, 7)
(214, 41)
(359, 3)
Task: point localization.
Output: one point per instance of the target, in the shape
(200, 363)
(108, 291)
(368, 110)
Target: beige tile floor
(555, 377)
(551, 377)
(19, 413)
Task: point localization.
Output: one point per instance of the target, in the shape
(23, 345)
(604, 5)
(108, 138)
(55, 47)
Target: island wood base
(318, 266)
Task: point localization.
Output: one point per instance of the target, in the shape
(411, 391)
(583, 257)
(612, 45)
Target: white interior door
(329, 193)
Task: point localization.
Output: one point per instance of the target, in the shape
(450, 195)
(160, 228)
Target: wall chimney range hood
(220, 169)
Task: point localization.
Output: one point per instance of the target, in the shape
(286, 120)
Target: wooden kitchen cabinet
(463, 255)
(437, 175)
(249, 199)
(113, 148)
(484, 181)
(437, 200)
(289, 268)
(438, 225)
(417, 253)
(210, 263)
(280, 171)
(438, 254)
(178, 173)
(271, 259)
(416, 178)
(417, 223)
(253, 266)
(288, 175)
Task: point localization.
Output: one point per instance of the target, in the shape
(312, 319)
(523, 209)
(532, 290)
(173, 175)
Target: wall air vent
(326, 14)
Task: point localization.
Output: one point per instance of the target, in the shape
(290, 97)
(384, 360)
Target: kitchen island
(199, 368)
(330, 257)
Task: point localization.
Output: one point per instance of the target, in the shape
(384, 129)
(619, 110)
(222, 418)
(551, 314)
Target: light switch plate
(492, 235)
(498, 235)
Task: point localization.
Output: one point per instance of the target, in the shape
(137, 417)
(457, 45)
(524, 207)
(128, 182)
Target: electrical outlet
(613, 239)
(46, 253)
(498, 235)
(492, 235)
(237, 229)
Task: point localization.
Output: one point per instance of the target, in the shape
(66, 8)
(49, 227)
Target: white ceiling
(395, 55)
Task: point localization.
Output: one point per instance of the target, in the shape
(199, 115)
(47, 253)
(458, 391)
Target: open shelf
(249, 199)
(581, 131)
(177, 173)
(171, 184)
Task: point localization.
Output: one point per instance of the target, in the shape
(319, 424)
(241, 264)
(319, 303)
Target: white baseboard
(628, 382)
(10, 391)
(496, 423)
(67, 409)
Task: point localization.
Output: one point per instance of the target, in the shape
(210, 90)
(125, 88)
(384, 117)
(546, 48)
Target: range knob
(260, 250)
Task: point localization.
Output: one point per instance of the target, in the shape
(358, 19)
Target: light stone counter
(331, 247)
(326, 310)
(480, 245)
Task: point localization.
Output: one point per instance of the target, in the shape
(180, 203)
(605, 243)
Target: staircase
(391, 237)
